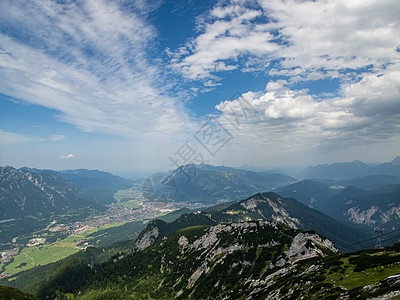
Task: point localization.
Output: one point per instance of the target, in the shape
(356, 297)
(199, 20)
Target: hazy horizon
(137, 174)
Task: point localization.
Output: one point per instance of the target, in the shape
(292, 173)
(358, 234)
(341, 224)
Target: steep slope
(370, 274)
(312, 193)
(265, 206)
(188, 262)
(245, 260)
(100, 185)
(377, 206)
(292, 213)
(374, 208)
(389, 168)
(233, 261)
(25, 193)
(29, 200)
(209, 184)
(14, 294)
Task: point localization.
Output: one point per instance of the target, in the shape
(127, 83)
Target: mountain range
(265, 206)
(210, 185)
(30, 199)
(268, 245)
(38, 194)
(98, 186)
(352, 169)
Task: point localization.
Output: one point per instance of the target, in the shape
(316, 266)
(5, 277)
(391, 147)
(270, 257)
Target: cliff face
(231, 246)
(148, 236)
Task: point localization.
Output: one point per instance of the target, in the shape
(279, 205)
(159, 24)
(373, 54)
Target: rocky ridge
(262, 206)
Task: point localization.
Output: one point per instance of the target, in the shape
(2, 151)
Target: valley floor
(59, 240)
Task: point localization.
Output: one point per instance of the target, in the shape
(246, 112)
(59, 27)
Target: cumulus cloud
(68, 156)
(228, 34)
(336, 34)
(355, 43)
(311, 39)
(90, 62)
(275, 85)
(367, 112)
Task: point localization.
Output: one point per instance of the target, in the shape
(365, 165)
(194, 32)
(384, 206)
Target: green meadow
(34, 256)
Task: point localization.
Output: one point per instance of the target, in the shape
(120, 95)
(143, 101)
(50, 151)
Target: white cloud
(315, 39)
(68, 156)
(211, 83)
(229, 35)
(275, 85)
(290, 122)
(56, 137)
(355, 42)
(8, 138)
(89, 61)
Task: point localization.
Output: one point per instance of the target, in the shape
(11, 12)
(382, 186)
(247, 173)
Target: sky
(138, 86)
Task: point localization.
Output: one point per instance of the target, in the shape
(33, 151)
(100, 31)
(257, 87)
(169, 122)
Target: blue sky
(130, 86)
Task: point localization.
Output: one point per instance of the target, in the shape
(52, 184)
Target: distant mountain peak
(208, 184)
(396, 161)
(28, 192)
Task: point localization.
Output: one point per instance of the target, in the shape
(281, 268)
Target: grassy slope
(163, 270)
(33, 256)
(358, 275)
(7, 293)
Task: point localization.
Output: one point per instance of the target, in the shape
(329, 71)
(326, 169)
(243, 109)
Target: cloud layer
(310, 39)
(354, 42)
(9, 138)
(89, 61)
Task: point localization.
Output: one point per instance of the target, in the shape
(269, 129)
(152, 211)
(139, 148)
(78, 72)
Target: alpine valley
(201, 232)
